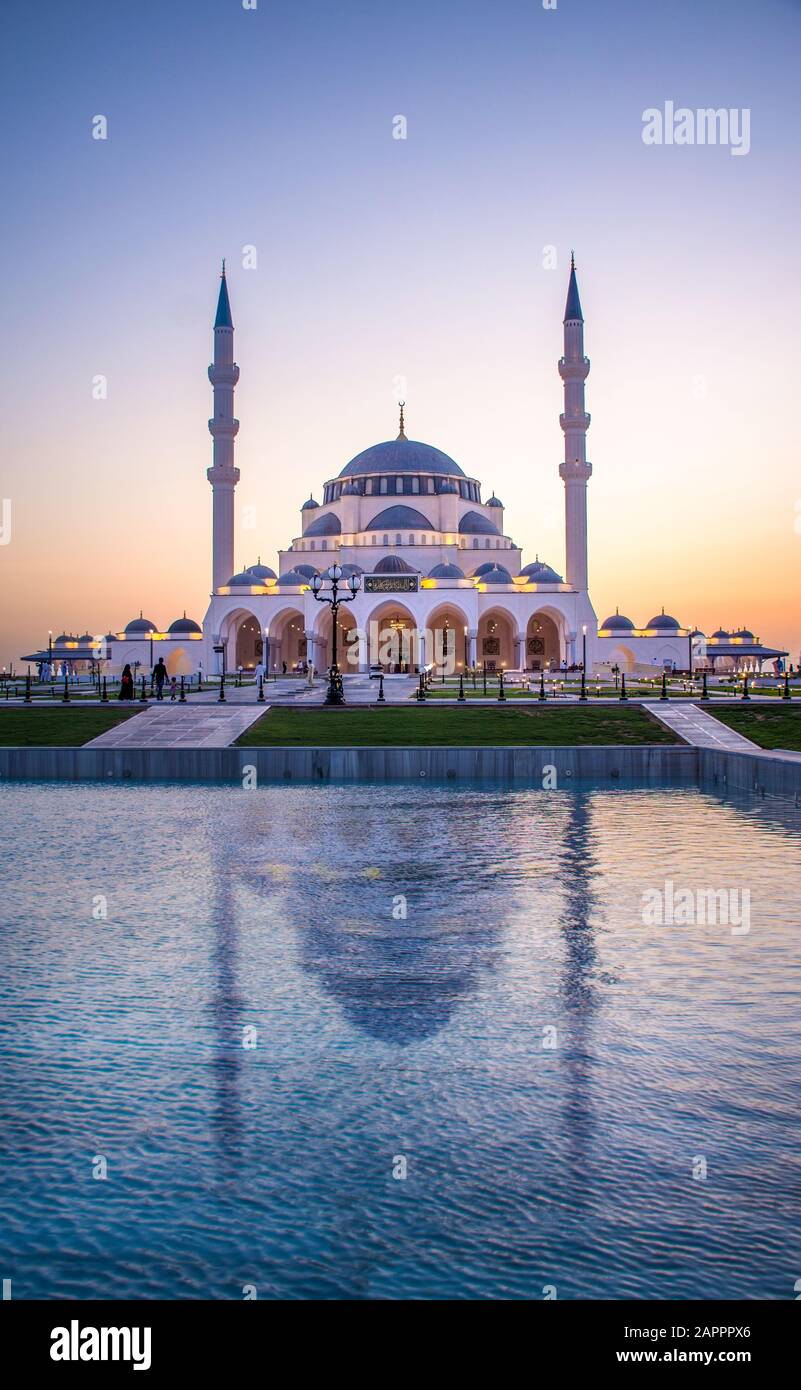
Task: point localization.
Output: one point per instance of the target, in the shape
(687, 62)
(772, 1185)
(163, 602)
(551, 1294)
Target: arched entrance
(496, 645)
(449, 646)
(249, 644)
(543, 648)
(286, 640)
(393, 639)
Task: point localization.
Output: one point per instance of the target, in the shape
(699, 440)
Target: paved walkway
(181, 726)
(700, 729)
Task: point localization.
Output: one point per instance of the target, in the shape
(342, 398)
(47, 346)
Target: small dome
(403, 517)
(328, 524)
(540, 573)
(663, 621)
(721, 634)
(474, 524)
(245, 580)
(349, 570)
(137, 626)
(262, 573)
(110, 637)
(446, 572)
(495, 501)
(744, 633)
(351, 489)
(618, 623)
(393, 564)
(310, 505)
(308, 571)
(87, 640)
(183, 624)
(496, 574)
(60, 641)
(448, 485)
(483, 569)
(292, 579)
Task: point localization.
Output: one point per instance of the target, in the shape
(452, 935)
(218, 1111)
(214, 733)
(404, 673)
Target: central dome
(402, 456)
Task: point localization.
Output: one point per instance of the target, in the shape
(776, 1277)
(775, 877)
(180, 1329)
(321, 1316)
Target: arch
(448, 625)
(286, 638)
(349, 654)
(394, 641)
(497, 631)
(543, 645)
(623, 657)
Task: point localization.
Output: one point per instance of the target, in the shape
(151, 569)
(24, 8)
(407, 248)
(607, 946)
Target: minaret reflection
(226, 1006)
(577, 988)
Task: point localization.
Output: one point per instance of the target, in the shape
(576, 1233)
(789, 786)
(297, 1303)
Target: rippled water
(380, 1038)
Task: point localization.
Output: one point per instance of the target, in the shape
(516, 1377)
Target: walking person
(173, 688)
(159, 677)
(126, 684)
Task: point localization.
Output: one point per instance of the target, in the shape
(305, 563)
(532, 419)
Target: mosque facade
(439, 578)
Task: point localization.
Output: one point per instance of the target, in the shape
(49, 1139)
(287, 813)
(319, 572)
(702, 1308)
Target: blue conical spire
(573, 305)
(223, 319)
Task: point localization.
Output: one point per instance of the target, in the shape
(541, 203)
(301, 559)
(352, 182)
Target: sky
(383, 264)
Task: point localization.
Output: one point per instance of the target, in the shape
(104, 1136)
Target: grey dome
(65, 637)
(308, 571)
(244, 580)
(292, 579)
(87, 640)
(310, 505)
(446, 572)
(136, 625)
(483, 569)
(721, 633)
(664, 622)
(474, 524)
(327, 525)
(183, 624)
(744, 633)
(402, 456)
(393, 564)
(262, 574)
(540, 573)
(618, 623)
(496, 575)
(494, 501)
(407, 518)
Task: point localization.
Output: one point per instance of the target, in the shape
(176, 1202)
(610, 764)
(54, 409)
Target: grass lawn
(449, 727)
(769, 726)
(56, 728)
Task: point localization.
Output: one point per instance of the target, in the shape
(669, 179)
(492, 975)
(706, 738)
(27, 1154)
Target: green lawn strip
(447, 727)
(57, 728)
(769, 726)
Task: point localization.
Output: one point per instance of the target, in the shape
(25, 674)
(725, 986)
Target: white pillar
(573, 369)
(472, 637)
(223, 476)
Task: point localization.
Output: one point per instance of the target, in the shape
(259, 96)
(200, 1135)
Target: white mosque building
(440, 578)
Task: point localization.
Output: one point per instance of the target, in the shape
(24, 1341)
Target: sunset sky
(385, 261)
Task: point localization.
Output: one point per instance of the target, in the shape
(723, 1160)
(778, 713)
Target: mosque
(438, 576)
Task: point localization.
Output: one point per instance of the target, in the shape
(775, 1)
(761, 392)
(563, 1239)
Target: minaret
(223, 476)
(573, 369)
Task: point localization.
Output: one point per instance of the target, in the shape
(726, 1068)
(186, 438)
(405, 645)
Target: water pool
(294, 1087)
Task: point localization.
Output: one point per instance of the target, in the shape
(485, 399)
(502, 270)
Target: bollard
(381, 696)
(65, 699)
(28, 699)
(182, 696)
(484, 674)
(583, 695)
(664, 695)
(786, 692)
(474, 677)
(704, 691)
(104, 696)
(501, 691)
(221, 696)
(745, 694)
(623, 694)
(260, 696)
(143, 696)
(461, 690)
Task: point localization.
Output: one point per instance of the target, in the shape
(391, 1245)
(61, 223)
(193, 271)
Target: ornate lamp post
(335, 694)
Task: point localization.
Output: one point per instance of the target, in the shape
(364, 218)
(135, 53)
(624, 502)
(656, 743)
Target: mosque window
(411, 540)
(384, 484)
(497, 545)
(313, 543)
(368, 487)
(475, 544)
(398, 538)
(423, 538)
(325, 545)
(487, 544)
(415, 484)
(399, 484)
(386, 540)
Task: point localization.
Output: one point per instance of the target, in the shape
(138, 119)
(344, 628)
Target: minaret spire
(402, 431)
(223, 476)
(573, 369)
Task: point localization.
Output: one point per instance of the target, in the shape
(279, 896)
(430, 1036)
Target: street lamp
(335, 694)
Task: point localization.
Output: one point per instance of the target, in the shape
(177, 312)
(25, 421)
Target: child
(173, 687)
